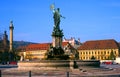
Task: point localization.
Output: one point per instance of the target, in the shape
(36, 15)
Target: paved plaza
(104, 71)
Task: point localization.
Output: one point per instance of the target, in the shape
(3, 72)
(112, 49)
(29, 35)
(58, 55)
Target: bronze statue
(56, 16)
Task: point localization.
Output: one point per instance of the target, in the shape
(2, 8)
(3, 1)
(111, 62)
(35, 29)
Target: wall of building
(36, 54)
(99, 54)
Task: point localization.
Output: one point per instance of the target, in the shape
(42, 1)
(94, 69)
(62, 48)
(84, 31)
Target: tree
(112, 56)
(0, 57)
(5, 57)
(17, 56)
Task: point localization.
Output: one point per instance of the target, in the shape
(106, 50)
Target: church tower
(5, 41)
(11, 36)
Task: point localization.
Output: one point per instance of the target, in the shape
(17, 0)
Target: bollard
(0, 74)
(29, 73)
(67, 74)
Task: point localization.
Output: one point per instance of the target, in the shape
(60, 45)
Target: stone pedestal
(88, 63)
(45, 65)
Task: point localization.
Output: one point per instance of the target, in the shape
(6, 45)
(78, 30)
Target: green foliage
(0, 57)
(112, 56)
(4, 57)
(9, 56)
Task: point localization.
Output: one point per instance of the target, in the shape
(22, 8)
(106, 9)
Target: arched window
(105, 58)
(81, 53)
(83, 57)
(104, 52)
(95, 52)
(98, 52)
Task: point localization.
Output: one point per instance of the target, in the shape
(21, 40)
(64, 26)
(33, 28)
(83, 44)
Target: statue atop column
(57, 33)
(56, 51)
(56, 16)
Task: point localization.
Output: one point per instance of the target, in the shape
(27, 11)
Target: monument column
(57, 33)
(56, 51)
(11, 36)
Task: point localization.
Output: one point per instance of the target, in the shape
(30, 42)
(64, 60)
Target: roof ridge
(100, 44)
(101, 40)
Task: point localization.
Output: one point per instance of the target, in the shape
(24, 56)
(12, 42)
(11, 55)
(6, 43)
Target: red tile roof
(41, 46)
(99, 44)
(64, 43)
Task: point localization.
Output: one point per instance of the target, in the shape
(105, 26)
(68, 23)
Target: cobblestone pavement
(104, 71)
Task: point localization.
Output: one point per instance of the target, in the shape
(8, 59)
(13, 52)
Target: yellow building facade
(36, 51)
(99, 49)
(35, 54)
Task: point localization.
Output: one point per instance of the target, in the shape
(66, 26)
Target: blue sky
(85, 19)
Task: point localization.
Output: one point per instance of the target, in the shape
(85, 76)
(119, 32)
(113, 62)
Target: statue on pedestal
(56, 16)
(56, 51)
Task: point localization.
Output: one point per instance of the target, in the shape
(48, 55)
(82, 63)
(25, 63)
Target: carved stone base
(45, 65)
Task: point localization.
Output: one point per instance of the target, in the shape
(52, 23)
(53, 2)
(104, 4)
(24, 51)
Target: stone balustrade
(45, 64)
(58, 64)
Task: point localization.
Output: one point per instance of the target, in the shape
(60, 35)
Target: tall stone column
(11, 36)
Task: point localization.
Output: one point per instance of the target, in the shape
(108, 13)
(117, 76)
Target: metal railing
(47, 74)
(29, 74)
